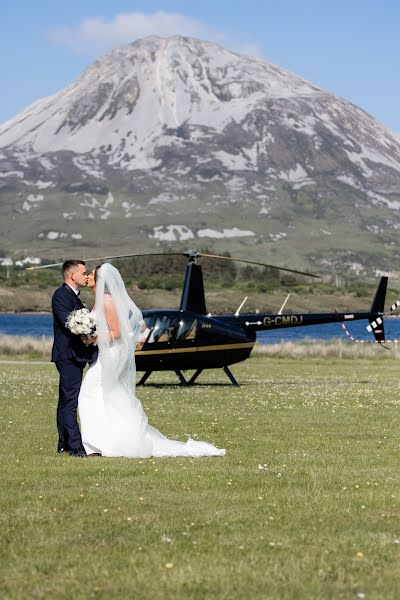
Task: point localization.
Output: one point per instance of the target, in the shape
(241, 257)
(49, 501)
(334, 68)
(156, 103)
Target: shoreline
(46, 312)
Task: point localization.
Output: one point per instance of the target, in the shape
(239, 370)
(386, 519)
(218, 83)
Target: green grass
(321, 520)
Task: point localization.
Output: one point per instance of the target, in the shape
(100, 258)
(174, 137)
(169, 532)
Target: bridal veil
(125, 430)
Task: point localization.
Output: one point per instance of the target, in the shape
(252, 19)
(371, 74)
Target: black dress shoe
(61, 450)
(80, 453)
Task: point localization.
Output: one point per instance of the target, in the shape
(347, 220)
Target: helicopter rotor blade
(107, 258)
(43, 267)
(199, 254)
(252, 262)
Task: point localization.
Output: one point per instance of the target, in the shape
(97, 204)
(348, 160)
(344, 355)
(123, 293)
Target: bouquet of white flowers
(81, 322)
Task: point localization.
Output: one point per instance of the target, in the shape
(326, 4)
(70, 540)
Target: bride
(113, 422)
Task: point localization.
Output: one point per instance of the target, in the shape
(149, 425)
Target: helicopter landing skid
(231, 377)
(191, 381)
(188, 382)
(144, 378)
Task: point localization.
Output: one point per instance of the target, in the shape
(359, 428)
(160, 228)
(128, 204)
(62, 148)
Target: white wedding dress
(112, 419)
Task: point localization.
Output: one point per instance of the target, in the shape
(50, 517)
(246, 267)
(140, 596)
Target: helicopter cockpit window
(163, 330)
(187, 330)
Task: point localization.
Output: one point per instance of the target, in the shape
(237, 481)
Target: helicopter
(190, 338)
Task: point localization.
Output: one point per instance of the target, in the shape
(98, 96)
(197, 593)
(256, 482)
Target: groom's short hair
(68, 265)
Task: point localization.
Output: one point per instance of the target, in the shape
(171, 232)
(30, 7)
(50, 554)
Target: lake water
(42, 325)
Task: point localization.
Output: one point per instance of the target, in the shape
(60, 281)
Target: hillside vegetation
(157, 283)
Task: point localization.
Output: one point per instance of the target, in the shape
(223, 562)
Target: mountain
(171, 140)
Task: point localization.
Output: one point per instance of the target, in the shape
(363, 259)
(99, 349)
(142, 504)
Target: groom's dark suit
(70, 356)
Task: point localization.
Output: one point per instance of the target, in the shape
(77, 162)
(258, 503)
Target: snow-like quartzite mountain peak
(126, 100)
(179, 126)
(136, 91)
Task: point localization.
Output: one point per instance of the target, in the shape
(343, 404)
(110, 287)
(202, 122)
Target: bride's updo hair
(95, 272)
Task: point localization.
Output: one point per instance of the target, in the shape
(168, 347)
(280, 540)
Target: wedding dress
(113, 422)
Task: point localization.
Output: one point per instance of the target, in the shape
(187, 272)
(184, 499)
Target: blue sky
(351, 48)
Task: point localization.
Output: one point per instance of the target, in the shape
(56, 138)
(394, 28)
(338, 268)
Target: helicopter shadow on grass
(243, 383)
(170, 384)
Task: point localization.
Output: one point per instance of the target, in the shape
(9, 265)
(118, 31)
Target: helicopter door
(187, 331)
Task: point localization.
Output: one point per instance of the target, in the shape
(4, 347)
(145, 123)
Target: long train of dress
(115, 428)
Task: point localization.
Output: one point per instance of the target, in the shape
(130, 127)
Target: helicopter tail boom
(259, 322)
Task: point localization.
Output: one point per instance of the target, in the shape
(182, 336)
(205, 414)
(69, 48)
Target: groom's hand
(88, 341)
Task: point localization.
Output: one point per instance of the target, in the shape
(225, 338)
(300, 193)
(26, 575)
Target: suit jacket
(67, 345)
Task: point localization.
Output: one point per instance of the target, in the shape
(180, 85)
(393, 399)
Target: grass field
(305, 504)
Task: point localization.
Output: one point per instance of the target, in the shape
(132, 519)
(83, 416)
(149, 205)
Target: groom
(70, 356)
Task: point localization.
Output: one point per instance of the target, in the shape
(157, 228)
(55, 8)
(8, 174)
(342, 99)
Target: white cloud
(96, 34)
(249, 49)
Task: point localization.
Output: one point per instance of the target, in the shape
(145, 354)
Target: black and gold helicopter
(190, 338)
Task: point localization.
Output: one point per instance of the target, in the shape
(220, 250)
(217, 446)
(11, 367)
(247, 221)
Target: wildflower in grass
(166, 539)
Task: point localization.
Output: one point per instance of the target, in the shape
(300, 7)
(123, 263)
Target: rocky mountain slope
(178, 141)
